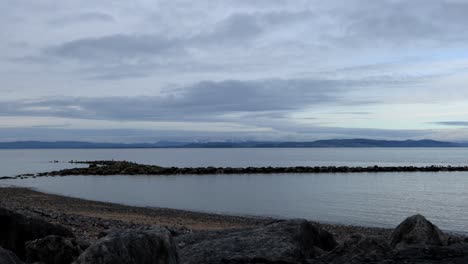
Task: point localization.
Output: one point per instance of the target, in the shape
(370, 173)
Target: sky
(233, 70)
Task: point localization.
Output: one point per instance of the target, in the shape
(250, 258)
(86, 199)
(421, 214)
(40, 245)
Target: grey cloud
(203, 101)
(237, 27)
(452, 123)
(407, 22)
(85, 17)
(363, 132)
(96, 135)
(349, 53)
(288, 19)
(120, 72)
(230, 39)
(241, 28)
(355, 113)
(115, 48)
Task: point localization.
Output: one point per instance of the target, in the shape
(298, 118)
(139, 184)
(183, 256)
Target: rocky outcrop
(53, 250)
(153, 246)
(16, 230)
(8, 257)
(360, 249)
(282, 242)
(417, 230)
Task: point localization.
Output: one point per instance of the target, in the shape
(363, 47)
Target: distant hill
(332, 143)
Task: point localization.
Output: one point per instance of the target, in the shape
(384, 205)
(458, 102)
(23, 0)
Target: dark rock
(83, 244)
(282, 242)
(104, 233)
(8, 257)
(454, 240)
(153, 246)
(360, 250)
(16, 230)
(417, 230)
(53, 250)
(456, 253)
(312, 236)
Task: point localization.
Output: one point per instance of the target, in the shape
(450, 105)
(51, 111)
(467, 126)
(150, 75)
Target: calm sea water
(369, 199)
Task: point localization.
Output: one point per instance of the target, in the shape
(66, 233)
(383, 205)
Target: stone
(290, 241)
(152, 246)
(456, 253)
(417, 230)
(8, 257)
(53, 250)
(360, 250)
(17, 229)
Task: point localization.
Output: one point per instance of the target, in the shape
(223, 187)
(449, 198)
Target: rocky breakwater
(415, 240)
(131, 168)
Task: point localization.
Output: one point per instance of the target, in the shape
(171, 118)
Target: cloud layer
(290, 69)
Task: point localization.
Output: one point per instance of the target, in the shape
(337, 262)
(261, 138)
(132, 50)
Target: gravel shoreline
(87, 219)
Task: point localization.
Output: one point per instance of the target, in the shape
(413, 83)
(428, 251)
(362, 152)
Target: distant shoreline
(333, 143)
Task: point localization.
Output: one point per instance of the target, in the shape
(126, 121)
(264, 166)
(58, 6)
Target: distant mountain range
(332, 143)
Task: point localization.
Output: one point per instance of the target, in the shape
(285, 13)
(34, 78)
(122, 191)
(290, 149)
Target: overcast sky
(143, 71)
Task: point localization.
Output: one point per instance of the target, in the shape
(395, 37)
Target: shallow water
(369, 199)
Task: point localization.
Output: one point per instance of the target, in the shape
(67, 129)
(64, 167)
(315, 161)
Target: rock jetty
(110, 167)
(415, 240)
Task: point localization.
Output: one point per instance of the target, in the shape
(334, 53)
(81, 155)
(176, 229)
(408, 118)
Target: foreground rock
(419, 254)
(154, 246)
(53, 250)
(16, 230)
(417, 230)
(282, 242)
(414, 241)
(417, 240)
(360, 250)
(8, 257)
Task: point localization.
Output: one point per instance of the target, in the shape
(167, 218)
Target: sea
(364, 199)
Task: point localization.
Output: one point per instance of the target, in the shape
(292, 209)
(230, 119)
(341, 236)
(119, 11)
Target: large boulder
(453, 254)
(417, 230)
(282, 242)
(8, 257)
(17, 229)
(360, 250)
(53, 250)
(152, 246)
